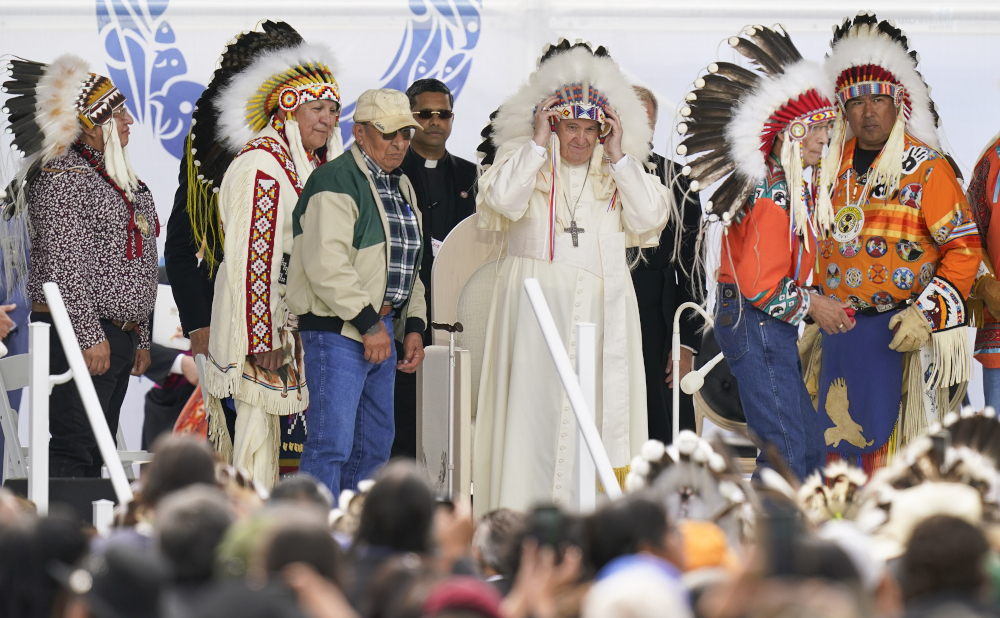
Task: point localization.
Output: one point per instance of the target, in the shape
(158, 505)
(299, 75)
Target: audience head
(631, 525)
(305, 489)
(638, 588)
(123, 581)
(399, 510)
(180, 461)
(493, 534)
(945, 554)
(28, 547)
(190, 524)
(298, 536)
(400, 588)
(462, 597)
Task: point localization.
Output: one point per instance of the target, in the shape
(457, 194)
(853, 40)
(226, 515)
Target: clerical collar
(863, 159)
(431, 163)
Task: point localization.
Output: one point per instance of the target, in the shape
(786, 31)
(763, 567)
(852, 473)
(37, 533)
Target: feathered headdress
(587, 81)
(734, 115)
(695, 481)
(49, 106)
(950, 471)
(46, 112)
(259, 73)
(869, 56)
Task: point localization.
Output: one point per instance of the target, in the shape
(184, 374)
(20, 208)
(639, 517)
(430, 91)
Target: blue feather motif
(148, 68)
(439, 39)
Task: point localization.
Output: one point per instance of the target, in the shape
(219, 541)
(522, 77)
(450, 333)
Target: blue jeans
(351, 426)
(763, 355)
(991, 387)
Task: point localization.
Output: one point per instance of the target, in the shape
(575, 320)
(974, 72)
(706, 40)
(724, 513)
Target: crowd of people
(204, 540)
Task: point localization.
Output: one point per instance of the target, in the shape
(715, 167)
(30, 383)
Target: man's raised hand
(543, 126)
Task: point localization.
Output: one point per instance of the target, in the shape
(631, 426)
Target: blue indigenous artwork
(858, 413)
(439, 39)
(145, 64)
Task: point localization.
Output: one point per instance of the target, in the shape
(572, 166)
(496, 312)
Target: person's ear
(358, 130)
(95, 132)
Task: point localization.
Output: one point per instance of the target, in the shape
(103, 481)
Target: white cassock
(525, 440)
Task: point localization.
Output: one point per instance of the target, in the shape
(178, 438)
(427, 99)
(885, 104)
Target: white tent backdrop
(162, 52)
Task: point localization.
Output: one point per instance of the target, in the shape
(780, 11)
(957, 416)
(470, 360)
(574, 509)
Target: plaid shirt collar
(378, 173)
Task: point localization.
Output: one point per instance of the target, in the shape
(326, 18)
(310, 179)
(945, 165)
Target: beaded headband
(98, 100)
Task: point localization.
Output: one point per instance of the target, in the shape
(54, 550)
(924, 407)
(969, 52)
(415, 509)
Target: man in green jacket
(353, 279)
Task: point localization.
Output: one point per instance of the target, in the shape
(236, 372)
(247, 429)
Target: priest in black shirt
(446, 193)
(661, 286)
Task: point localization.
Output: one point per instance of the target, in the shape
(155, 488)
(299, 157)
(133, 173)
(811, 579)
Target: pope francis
(567, 192)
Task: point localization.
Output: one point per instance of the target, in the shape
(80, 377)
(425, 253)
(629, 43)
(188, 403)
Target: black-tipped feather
(711, 97)
(711, 112)
(736, 73)
(757, 55)
(710, 178)
(775, 46)
(705, 164)
(734, 191)
(714, 103)
(704, 141)
(724, 85)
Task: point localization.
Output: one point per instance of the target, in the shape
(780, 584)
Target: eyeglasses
(427, 114)
(405, 132)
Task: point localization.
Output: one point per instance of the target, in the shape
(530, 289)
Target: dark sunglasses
(405, 132)
(427, 114)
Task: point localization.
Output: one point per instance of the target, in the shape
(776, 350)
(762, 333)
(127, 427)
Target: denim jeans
(991, 387)
(763, 355)
(350, 410)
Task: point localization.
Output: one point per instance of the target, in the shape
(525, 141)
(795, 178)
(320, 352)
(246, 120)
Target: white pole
(103, 515)
(675, 356)
(572, 386)
(586, 369)
(92, 405)
(38, 416)
(450, 473)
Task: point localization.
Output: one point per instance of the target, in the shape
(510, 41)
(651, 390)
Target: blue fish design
(145, 64)
(438, 42)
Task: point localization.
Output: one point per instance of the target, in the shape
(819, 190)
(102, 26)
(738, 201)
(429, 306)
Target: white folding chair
(13, 376)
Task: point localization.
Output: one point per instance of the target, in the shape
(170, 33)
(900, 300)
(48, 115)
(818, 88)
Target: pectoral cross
(575, 231)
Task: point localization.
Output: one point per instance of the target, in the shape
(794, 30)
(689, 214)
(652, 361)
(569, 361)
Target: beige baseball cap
(386, 109)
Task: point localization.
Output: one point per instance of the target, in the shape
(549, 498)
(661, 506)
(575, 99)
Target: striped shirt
(404, 234)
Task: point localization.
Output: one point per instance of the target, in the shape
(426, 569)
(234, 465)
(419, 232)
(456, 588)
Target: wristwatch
(375, 329)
